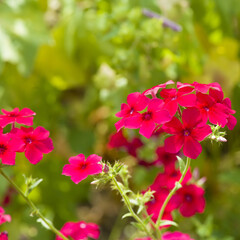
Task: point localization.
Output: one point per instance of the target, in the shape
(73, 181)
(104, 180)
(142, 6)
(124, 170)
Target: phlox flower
(190, 200)
(147, 121)
(80, 168)
(34, 142)
(135, 102)
(4, 217)
(117, 140)
(24, 116)
(80, 230)
(187, 134)
(8, 149)
(3, 236)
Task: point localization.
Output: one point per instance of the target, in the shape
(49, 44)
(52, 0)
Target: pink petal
(93, 159)
(26, 112)
(120, 124)
(76, 160)
(174, 126)
(45, 146)
(174, 143)
(191, 148)
(132, 98)
(172, 107)
(161, 117)
(217, 95)
(168, 93)
(147, 128)
(232, 121)
(93, 169)
(191, 117)
(200, 133)
(125, 110)
(6, 120)
(9, 158)
(217, 115)
(41, 133)
(25, 120)
(17, 144)
(155, 105)
(187, 210)
(33, 154)
(200, 204)
(14, 111)
(188, 100)
(133, 122)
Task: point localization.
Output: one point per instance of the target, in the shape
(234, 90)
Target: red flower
(34, 142)
(79, 168)
(80, 230)
(165, 158)
(24, 116)
(147, 120)
(117, 140)
(136, 102)
(4, 217)
(190, 199)
(210, 109)
(176, 236)
(3, 236)
(8, 149)
(173, 97)
(186, 134)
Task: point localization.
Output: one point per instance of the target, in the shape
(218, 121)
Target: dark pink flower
(187, 134)
(24, 116)
(203, 88)
(117, 140)
(165, 158)
(80, 168)
(135, 102)
(218, 97)
(176, 236)
(154, 90)
(80, 230)
(34, 142)
(4, 217)
(133, 146)
(8, 149)
(182, 96)
(190, 200)
(210, 109)
(147, 121)
(3, 236)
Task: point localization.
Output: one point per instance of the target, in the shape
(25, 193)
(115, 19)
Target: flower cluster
(33, 142)
(183, 112)
(80, 230)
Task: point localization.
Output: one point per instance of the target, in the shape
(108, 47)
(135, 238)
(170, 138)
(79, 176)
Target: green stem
(34, 208)
(172, 192)
(128, 204)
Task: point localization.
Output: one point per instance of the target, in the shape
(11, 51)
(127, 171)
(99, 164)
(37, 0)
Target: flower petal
(191, 148)
(174, 143)
(147, 128)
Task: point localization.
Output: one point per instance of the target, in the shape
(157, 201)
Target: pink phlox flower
(4, 236)
(34, 142)
(80, 230)
(133, 146)
(154, 90)
(212, 110)
(219, 98)
(176, 236)
(135, 102)
(80, 168)
(147, 121)
(187, 134)
(190, 200)
(8, 149)
(203, 88)
(164, 158)
(117, 140)
(182, 96)
(24, 116)
(7, 197)
(4, 217)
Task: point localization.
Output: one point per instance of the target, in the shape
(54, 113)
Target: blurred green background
(74, 63)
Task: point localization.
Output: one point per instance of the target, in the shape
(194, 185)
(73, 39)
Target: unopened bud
(106, 168)
(221, 139)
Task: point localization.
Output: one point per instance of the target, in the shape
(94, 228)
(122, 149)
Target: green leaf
(43, 223)
(167, 222)
(181, 164)
(126, 215)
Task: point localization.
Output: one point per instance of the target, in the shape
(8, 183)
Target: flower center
(206, 109)
(186, 132)
(188, 198)
(3, 148)
(132, 110)
(83, 166)
(174, 174)
(28, 140)
(147, 116)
